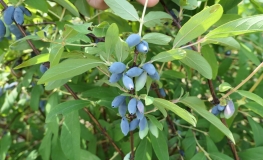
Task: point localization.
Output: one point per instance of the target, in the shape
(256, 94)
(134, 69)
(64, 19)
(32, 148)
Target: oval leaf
(69, 68)
(173, 54)
(157, 38)
(198, 24)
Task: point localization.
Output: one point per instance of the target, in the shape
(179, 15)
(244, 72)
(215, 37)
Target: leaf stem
(243, 82)
(192, 44)
(142, 18)
(254, 86)
(206, 154)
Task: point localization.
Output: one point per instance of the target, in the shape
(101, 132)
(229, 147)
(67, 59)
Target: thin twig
(35, 24)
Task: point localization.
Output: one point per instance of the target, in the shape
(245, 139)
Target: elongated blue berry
(132, 106)
(9, 14)
(43, 68)
(139, 115)
(14, 29)
(25, 11)
(149, 68)
(125, 128)
(117, 67)
(140, 81)
(133, 40)
(123, 109)
(142, 47)
(134, 72)
(115, 77)
(143, 123)
(215, 111)
(134, 124)
(229, 109)
(140, 106)
(220, 108)
(162, 92)
(117, 101)
(2, 29)
(128, 83)
(19, 16)
(155, 76)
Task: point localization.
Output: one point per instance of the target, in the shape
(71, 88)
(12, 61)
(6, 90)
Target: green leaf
(157, 38)
(228, 42)
(249, 54)
(227, 5)
(55, 53)
(153, 129)
(144, 150)
(101, 29)
(224, 87)
(252, 153)
(199, 156)
(219, 156)
(143, 133)
(83, 7)
(69, 68)
(70, 136)
(123, 9)
(196, 61)
(160, 146)
(41, 5)
(257, 131)
(69, 6)
(176, 109)
(255, 107)
(154, 18)
(35, 60)
(81, 28)
(35, 97)
(172, 74)
(198, 24)
(210, 56)
(192, 103)
(45, 147)
(173, 54)
(112, 37)
(237, 27)
(101, 92)
(155, 121)
(210, 145)
(121, 50)
(66, 108)
(189, 145)
(257, 5)
(86, 155)
(251, 96)
(5, 143)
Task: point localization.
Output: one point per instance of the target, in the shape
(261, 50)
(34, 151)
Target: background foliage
(206, 52)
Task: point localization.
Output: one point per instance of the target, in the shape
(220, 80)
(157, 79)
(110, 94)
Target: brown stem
(215, 99)
(70, 90)
(230, 143)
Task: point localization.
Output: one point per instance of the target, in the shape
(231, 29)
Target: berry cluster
(135, 40)
(12, 14)
(117, 69)
(228, 110)
(134, 107)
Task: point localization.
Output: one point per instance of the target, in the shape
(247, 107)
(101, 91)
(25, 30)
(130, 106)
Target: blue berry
(132, 106)
(133, 40)
(220, 108)
(228, 53)
(142, 47)
(43, 68)
(117, 67)
(134, 124)
(215, 111)
(2, 29)
(115, 77)
(149, 68)
(143, 123)
(117, 101)
(9, 14)
(155, 76)
(134, 72)
(123, 109)
(125, 128)
(139, 115)
(162, 92)
(18, 16)
(128, 82)
(229, 109)
(25, 11)
(140, 106)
